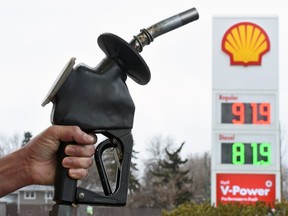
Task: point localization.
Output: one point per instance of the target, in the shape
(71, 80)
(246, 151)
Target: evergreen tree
(134, 183)
(173, 179)
(27, 137)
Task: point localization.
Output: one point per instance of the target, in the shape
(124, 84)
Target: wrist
(24, 168)
(13, 172)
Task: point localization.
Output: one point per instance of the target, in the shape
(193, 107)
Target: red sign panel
(245, 188)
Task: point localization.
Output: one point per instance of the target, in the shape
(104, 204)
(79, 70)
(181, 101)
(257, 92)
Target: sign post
(245, 124)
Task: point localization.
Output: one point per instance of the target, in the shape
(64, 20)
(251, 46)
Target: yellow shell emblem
(245, 43)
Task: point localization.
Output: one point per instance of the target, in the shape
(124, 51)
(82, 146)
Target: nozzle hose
(146, 36)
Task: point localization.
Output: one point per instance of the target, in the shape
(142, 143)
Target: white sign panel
(245, 122)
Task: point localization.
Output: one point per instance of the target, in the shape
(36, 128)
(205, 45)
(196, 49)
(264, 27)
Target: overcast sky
(38, 38)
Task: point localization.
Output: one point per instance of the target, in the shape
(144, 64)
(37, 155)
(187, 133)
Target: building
(32, 200)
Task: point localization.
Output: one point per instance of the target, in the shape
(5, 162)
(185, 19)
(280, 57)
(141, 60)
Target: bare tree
(199, 171)
(8, 144)
(284, 164)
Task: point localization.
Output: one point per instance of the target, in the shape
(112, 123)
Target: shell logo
(245, 43)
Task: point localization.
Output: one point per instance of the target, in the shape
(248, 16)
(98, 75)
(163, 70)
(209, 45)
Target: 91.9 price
(246, 113)
(239, 153)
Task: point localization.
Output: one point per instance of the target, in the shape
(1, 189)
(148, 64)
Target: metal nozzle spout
(146, 36)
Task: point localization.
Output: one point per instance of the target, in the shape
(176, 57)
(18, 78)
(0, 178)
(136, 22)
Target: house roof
(37, 188)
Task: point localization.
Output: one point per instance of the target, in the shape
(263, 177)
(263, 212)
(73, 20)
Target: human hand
(40, 154)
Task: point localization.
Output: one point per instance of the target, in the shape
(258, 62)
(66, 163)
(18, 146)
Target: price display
(240, 110)
(239, 153)
(239, 148)
(246, 113)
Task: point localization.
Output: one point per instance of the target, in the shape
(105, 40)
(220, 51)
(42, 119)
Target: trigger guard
(100, 165)
(123, 141)
(102, 147)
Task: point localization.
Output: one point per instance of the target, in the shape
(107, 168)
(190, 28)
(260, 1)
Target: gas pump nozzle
(98, 100)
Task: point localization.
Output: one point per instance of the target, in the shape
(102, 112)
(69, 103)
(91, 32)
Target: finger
(77, 173)
(80, 150)
(73, 133)
(76, 162)
(81, 137)
(88, 138)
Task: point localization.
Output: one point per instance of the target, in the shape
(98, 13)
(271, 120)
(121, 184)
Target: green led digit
(254, 147)
(238, 153)
(265, 151)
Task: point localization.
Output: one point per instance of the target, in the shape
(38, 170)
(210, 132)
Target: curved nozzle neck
(146, 36)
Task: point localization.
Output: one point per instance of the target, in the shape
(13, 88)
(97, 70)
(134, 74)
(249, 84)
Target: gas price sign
(239, 153)
(246, 113)
(240, 149)
(245, 156)
(240, 109)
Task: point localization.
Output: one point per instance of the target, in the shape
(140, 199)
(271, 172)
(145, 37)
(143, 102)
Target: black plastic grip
(65, 186)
